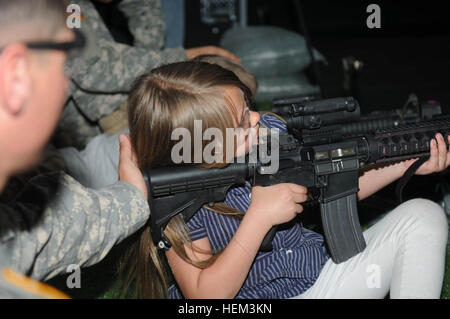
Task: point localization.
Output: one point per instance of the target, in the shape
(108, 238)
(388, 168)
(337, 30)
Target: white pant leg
(405, 255)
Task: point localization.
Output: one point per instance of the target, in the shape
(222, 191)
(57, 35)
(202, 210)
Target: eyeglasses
(78, 43)
(72, 48)
(245, 122)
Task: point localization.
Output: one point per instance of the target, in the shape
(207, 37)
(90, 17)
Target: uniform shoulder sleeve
(56, 222)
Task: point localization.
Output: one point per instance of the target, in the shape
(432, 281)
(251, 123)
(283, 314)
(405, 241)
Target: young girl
(216, 253)
(96, 165)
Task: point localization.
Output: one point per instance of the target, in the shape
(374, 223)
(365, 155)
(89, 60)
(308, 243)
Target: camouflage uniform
(108, 66)
(145, 22)
(55, 222)
(52, 161)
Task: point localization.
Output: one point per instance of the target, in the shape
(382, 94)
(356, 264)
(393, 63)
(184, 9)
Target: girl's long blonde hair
(169, 97)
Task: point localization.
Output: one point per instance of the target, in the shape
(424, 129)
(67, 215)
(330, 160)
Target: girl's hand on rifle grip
(277, 204)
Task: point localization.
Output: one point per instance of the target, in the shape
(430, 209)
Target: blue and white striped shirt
(288, 270)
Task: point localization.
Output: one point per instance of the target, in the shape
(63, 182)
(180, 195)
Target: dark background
(408, 54)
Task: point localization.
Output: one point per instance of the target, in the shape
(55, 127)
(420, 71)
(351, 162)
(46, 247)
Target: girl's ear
(15, 79)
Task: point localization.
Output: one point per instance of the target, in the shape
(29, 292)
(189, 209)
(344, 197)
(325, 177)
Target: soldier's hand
(192, 53)
(129, 171)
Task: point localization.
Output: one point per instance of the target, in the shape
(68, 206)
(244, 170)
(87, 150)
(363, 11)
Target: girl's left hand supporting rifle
(439, 157)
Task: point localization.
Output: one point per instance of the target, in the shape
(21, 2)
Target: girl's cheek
(254, 118)
(250, 139)
(241, 150)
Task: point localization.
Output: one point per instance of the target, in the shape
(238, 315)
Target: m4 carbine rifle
(330, 171)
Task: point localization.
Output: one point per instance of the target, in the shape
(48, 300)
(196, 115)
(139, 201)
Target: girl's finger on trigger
(298, 188)
(300, 198)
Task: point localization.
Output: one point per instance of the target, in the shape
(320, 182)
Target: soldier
(102, 77)
(54, 222)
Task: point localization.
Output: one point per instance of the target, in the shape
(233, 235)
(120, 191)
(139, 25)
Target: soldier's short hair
(46, 16)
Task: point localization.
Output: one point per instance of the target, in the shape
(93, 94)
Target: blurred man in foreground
(54, 221)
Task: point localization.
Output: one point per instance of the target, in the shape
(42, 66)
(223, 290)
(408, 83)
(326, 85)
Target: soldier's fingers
(125, 147)
(228, 54)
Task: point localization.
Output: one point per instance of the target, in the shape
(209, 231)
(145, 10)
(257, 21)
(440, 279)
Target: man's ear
(15, 78)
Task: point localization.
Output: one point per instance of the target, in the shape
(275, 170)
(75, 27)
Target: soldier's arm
(107, 66)
(111, 66)
(56, 222)
(145, 22)
(114, 66)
